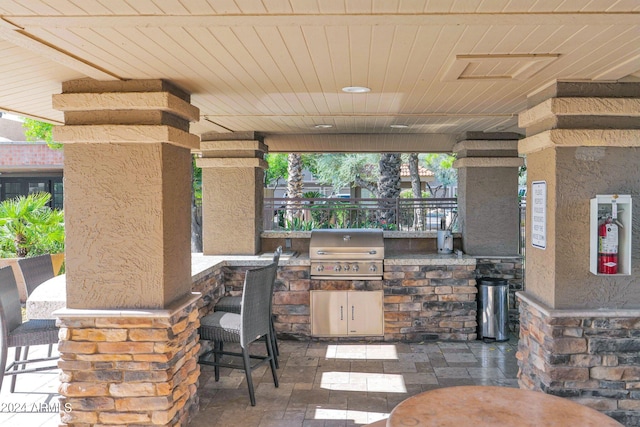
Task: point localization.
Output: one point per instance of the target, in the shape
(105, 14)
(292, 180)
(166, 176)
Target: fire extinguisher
(608, 247)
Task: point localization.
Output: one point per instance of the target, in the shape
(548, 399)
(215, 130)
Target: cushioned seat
(221, 326)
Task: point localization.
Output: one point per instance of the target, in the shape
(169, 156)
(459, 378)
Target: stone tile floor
(349, 384)
(35, 400)
(321, 384)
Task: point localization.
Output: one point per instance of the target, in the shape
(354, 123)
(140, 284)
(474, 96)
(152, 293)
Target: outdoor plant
(297, 224)
(29, 227)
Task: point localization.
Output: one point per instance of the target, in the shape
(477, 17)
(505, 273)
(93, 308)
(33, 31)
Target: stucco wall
(540, 271)
(488, 207)
(119, 193)
(559, 275)
(584, 172)
(232, 208)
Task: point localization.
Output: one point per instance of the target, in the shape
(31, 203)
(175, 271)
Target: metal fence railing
(389, 214)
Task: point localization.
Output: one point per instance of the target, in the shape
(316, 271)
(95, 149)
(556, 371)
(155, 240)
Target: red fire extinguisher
(608, 247)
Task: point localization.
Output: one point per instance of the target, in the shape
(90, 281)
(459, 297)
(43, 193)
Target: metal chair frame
(16, 333)
(35, 271)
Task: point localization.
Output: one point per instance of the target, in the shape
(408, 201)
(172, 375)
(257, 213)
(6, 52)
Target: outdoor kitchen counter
(429, 259)
(392, 259)
(426, 296)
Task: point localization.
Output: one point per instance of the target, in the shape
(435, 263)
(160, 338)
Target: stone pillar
(578, 335)
(232, 193)
(128, 339)
(488, 193)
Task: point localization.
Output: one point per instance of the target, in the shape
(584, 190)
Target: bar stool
(233, 304)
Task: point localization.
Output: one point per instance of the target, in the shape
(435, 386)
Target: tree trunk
(371, 186)
(389, 184)
(294, 184)
(196, 220)
(416, 188)
(196, 229)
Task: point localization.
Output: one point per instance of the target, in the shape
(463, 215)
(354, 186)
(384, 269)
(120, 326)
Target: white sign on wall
(539, 214)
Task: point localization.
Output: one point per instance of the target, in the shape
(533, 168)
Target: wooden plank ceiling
(440, 67)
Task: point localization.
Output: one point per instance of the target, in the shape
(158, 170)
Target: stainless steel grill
(347, 254)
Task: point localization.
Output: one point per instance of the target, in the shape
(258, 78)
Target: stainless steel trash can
(493, 309)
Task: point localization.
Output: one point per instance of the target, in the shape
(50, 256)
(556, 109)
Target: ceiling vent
(496, 67)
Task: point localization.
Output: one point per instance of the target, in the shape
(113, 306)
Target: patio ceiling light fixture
(356, 89)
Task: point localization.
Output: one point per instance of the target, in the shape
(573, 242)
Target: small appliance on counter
(445, 242)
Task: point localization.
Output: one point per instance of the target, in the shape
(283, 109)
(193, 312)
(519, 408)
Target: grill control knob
(355, 267)
(346, 267)
(320, 267)
(338, 267)
(373, 268)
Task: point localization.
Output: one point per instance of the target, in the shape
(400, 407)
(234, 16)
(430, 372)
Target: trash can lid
(492, 281)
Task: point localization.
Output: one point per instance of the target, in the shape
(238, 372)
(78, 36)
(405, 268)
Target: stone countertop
(202, 264)
(386, 234)
(429, 259)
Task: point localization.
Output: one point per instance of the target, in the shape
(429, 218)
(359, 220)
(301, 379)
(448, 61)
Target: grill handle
(371, 252)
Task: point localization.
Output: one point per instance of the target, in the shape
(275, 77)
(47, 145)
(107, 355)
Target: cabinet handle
(352, 312)
(341, 313)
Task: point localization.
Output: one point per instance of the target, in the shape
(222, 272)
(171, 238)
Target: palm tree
(389, 183)
(29, 226)
(294, 183)
(416, 188)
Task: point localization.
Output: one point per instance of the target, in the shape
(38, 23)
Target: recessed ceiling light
(356, 89)
(323, 126)
(400, 126)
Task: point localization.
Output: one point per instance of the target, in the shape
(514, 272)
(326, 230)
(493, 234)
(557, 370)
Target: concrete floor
(321, 384)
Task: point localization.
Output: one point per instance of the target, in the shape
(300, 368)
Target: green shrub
(29, 227)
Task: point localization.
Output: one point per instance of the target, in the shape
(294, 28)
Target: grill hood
(346, 244)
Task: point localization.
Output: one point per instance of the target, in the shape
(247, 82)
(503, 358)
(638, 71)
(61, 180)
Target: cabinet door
(365, 313)
(329, 313)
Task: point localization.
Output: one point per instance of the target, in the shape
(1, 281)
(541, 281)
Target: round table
(481, 406)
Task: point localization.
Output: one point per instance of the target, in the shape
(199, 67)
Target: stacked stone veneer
(129, 368)
(593, 358)
(511, 269)
(429, 302)
(210, 284)
(421, 302)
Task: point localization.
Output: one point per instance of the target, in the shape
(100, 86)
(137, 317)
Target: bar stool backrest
(256, 300)
(35, 271)
(10, 314)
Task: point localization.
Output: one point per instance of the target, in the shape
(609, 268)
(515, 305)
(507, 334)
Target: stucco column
(128, 337)
(578, 334)
(232, 193)
(488, 193)
(582, 140)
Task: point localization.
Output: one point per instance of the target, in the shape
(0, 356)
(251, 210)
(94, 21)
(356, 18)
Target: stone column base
(589, 356)
(129, 367)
